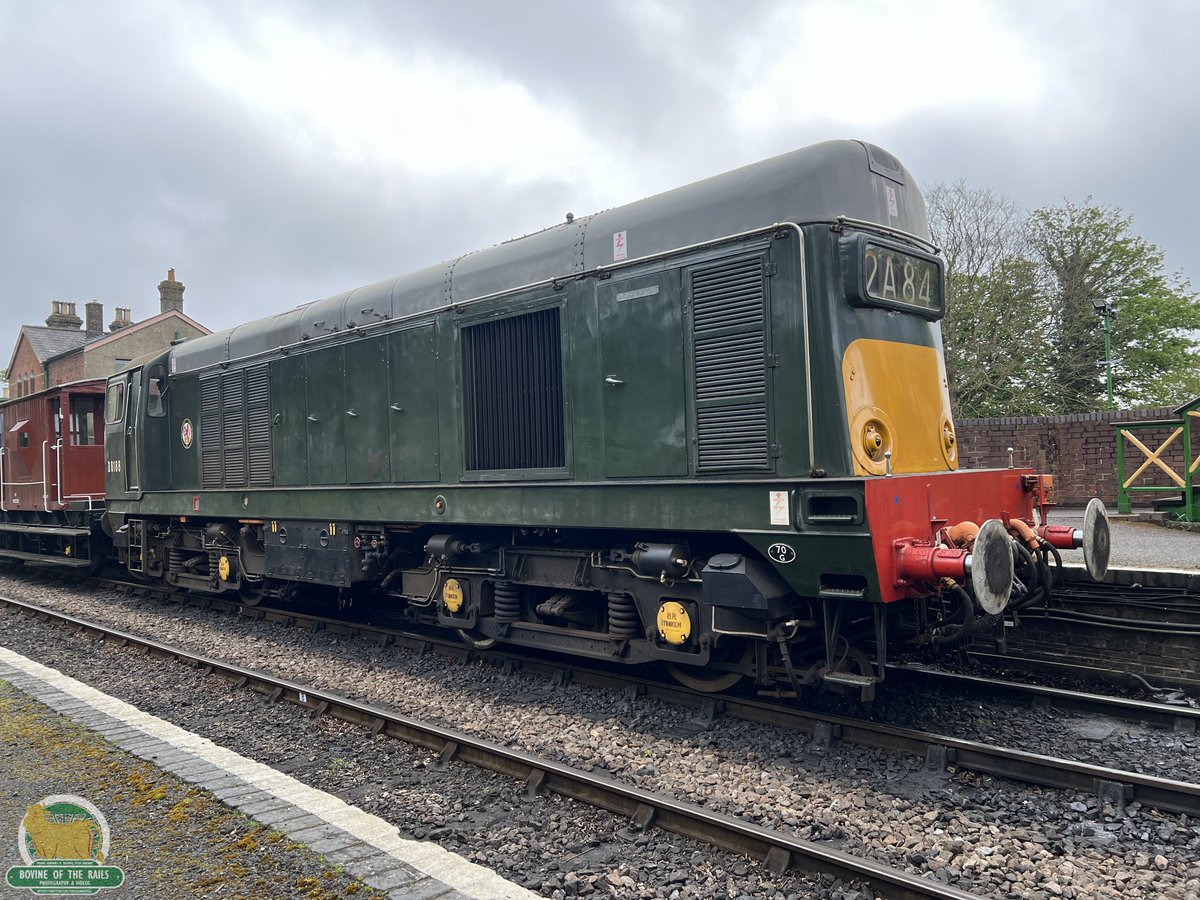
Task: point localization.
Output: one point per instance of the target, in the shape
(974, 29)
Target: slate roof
(47, 342)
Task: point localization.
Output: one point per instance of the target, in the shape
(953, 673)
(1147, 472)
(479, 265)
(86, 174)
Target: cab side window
(156, 392)
(114, 403)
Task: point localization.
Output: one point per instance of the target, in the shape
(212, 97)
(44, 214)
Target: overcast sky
(274, 153)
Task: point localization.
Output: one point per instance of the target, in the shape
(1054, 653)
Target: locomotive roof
(813, 184)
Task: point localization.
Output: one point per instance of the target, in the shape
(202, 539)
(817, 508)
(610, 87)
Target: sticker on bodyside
(620, 248)
(779, 507)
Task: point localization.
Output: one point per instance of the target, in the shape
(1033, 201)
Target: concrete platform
(1145, 550)
(363, 845)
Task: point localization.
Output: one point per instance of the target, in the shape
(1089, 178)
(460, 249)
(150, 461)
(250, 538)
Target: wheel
(475, 640)
(252, 593)
(713, 681)
(704, 680)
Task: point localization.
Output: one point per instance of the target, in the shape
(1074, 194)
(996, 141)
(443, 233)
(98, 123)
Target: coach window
(115, 402)
(85, 411)
(156, 390)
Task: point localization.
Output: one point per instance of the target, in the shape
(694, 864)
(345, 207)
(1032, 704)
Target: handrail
(3, 508)
(58, 471)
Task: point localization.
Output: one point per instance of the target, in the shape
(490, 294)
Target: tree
(994, 325)
(1090, 255)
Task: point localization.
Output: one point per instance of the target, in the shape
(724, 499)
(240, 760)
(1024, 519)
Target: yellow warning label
(674, 623)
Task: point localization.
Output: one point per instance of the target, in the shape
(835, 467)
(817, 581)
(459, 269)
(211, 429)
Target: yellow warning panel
(674, 623)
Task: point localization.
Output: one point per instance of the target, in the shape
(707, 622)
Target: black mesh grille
(210, 430)
(258, 423)
(512, 393)
(730, 353)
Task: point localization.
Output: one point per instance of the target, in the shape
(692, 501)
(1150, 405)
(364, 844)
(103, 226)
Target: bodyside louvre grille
(258, 424)
(512, 393)
(729, 347)
(210, 430)
(233, 427)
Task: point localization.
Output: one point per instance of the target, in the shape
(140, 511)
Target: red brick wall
(1080, 451)
(66, 369)
(25, 362)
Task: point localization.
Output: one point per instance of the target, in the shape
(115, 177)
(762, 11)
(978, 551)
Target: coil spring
(623, 619)
(507, 601)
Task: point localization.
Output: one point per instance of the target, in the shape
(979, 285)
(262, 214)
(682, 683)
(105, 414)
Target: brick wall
(100, 360)
(66, 369)
(25, 376)
(1080, 451)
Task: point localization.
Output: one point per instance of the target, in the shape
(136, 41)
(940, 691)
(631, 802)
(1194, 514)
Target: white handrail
(45, 480)
(3, 508)
(58, 470)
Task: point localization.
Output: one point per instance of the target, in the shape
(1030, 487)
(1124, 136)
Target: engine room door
(133, 402)
(642, 367)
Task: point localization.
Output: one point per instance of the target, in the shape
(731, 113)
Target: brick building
(68, 348)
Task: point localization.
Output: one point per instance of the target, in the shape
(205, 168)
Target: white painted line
(430, 859)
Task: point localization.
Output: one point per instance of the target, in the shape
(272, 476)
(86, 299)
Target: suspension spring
(506, 598)
(623, 619)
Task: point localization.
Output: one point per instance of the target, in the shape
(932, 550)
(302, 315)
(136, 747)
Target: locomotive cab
(136, 448)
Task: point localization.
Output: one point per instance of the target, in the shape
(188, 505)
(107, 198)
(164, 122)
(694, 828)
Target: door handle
(396, 407)
(613, 380)
(313, 419)
(352, 413)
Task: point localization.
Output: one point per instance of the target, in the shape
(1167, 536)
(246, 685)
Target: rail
(777, 850)
(1162, 793)
(1185, 482)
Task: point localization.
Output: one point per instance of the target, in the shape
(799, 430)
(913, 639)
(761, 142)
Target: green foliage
(1022, 332)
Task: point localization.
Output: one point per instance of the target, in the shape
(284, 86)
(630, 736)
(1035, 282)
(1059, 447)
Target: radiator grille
(233, 427)
(258, 424)
(210, 430)
(512, 393)
(730, 354)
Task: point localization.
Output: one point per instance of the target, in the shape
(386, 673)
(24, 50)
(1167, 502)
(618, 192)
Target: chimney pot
(63, 316)
(170, 293)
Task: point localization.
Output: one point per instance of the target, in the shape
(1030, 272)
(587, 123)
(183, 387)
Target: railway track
(939, 751)
(778, 851)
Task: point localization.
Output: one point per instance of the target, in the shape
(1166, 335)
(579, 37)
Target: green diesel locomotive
(710, 428)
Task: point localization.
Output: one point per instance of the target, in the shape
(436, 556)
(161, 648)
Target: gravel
(991, 837)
